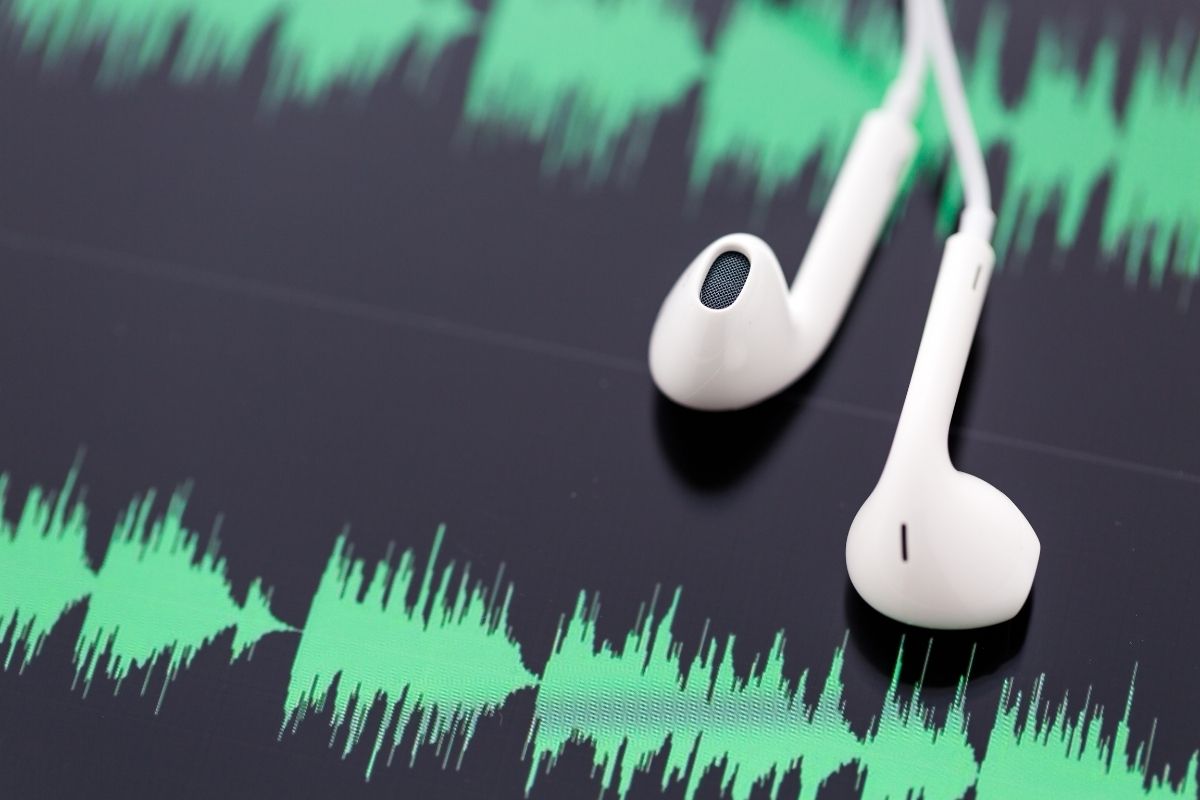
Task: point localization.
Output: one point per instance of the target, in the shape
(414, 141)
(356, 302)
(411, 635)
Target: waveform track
(1042, 756)
(445, 657)
(637, 701)
(155, 597)
(1065, 138)
(44, 569)
(317, 46)
(906, 755)
(1153, 204)
(589, 79)
(579, 77)
(434, 650)
(785, 87)
(323, 44)
(637, 704)
(1046, 166)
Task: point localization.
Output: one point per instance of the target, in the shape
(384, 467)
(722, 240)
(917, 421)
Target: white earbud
(933, 546)
(730, 333)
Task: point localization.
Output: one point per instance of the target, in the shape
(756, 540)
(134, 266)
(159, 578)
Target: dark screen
(327, 276)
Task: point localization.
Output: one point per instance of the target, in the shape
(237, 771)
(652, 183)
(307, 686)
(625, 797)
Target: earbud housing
(733, 356)
(933, 546)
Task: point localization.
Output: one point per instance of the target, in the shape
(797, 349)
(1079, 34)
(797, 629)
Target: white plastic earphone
(931, 546)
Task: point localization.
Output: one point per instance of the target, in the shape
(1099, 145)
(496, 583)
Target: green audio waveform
(434, 648)
(767, 118)
(780, 86)
(1064, 137)
(788, 84)
(1048, 757)
(637, 702)
(634, 703)
(582, 76)
(155, 598)
(44, 569)
(447, 658)
(318, 44)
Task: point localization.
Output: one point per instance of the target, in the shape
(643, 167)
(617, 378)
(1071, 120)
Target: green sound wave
(44, 569)
(767, 118)
(1064, 137)
(318, 44)
(1154, 201)
(437, 654)
(155, 598)
(636, 703)
(789, 84)
(1048, 757)
(446, 659)
(780, 86)
(582, 76)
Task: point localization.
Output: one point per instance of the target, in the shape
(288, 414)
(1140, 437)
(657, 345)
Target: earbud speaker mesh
(725, 280)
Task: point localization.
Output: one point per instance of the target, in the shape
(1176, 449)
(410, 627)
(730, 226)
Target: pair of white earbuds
(931, 546)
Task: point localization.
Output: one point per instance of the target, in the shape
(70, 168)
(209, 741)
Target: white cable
(977, 217)
(905, 94)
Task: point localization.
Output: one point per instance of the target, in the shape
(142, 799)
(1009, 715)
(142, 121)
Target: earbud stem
(958, 297)
(859, 204)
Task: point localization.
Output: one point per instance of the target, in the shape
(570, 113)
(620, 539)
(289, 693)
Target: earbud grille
(725, 280)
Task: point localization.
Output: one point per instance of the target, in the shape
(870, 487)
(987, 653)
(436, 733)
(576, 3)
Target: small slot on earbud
(903, 542)
(975, 283)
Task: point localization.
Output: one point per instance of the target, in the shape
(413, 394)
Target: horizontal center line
(357, 309)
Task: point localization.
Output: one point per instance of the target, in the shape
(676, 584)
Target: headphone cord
(977, 217)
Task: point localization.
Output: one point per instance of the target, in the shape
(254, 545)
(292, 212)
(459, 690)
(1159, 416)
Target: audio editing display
(371, 284)
(434, 647)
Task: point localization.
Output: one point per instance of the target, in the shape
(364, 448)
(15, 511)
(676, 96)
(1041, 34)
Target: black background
(331, 314)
